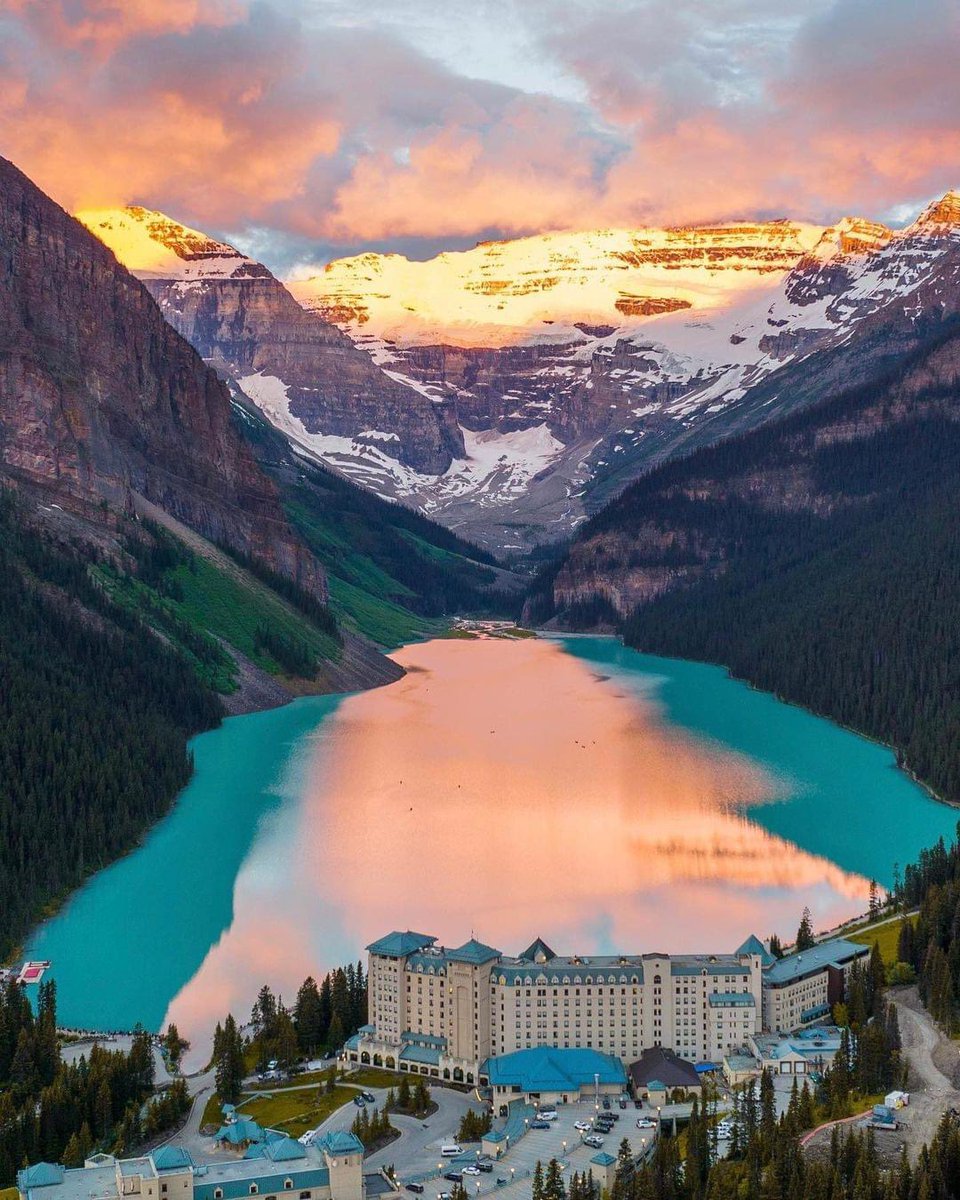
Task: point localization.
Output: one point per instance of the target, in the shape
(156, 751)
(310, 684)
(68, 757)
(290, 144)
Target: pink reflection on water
(503, 788)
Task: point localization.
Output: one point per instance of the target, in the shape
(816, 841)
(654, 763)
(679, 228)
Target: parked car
(454, 1176)
(646, 1123)
(622, 1102)
(444, 1196)
(582, 1126)
(539, 1124)
(485, 1166)
(612, 1116)
(471, 1170)
(638, 1103)
(417, 1188)
(451, 1150)
(359, 1101)
(594, 1141)
(606, 1102)
(547, 1115)
(369, 1097)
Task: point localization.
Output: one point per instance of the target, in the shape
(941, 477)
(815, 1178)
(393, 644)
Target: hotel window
(253, 1189)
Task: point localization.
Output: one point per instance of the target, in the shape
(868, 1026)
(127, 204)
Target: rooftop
(398, 944)
(753, 945)
(172, 1158)
(339, 1141)
(659, 1065)
(548, 1069)
(836, 952)
(473, 952)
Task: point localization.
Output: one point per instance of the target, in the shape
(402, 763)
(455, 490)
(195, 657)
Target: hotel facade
(445, 1012)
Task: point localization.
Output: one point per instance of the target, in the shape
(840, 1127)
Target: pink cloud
(239, 116)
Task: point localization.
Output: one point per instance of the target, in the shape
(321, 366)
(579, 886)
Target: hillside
(818, 558)
(154, 574)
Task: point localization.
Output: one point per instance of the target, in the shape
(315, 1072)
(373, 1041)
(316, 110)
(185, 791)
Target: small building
(545, 1074)
(604, 1168)
(800, 1053)
(658, 1072)
(740, 1068)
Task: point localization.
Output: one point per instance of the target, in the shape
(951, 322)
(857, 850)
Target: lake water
(567, 788)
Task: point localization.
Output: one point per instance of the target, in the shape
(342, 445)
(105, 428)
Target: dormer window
(288, 1184)
(218, 1194)
(253, 1189)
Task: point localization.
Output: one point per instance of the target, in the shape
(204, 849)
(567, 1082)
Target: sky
(303, 130)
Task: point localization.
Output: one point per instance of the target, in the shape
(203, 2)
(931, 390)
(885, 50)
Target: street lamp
(564, 1144)
(513, 1171)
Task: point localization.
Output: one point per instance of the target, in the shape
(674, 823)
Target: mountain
(817, 557)
(102, 403)
(305, 374)
(576, 362)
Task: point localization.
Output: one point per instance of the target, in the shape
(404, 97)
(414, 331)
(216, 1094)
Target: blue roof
(284, 1149)
(338, 1141)
(41, 1174)
(838, 951)
(753, 945)
(421, 1054)
(412, 1038)
(537, 949)
(473, 952)
(233, 1189)
(172, 1158)
(495, 1135)
(702, 1068)
(400, 944)
(240, 1131)
(549, 1069)
(603, 1159)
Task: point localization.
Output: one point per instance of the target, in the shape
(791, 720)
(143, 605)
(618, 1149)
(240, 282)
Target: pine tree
(805, 932)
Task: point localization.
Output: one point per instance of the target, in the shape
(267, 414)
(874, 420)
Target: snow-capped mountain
(306, 375)
(508, 390)
(623, 347)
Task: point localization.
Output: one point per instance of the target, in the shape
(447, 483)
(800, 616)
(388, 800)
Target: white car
(582, 1126)
(594, 1141)
(469, 1170)
(547, 1116)
(646, 1123)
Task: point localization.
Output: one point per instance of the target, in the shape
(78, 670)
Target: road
(931, 1091)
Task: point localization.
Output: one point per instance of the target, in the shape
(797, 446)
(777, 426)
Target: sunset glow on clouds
(306, 128)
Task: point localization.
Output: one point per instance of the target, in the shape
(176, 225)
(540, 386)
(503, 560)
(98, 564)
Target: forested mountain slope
(819, 558)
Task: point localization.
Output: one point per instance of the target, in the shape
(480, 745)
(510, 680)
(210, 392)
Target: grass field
(375, 1077)
(295, 1081)
(211, 1112)
(295, 1111)
(886, 935)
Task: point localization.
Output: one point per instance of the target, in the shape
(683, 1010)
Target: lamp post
(564, 1144)
(658, 1121)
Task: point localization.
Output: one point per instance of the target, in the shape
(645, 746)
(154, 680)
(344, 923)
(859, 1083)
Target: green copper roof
(753, 945)
(41, 1174)
(836, 952)
(473, 952)
(537, 949)
(172, 1158)
(549, 1069)
(338, 1141)
(398, 944)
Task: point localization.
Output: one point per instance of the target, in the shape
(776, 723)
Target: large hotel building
(444, 1012)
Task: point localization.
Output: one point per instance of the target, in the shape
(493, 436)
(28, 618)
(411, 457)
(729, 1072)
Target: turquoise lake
(568, 788)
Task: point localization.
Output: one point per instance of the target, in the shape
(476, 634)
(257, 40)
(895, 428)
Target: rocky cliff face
(100, 398)
(301, 370)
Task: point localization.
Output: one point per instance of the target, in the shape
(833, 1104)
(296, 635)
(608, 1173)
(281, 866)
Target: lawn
(295, 1112)
(886, 935)
(295, 1081)
(376, 1077)
(211, 1112)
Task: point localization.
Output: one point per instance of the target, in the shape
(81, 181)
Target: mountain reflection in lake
(509, 789)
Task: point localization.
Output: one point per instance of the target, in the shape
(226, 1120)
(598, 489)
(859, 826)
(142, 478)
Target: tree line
(59, 1112)
(323, 1016)
(931, 945)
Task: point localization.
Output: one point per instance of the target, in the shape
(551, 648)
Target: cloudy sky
(306, 129)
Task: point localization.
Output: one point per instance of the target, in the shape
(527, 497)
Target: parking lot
(512, 1174)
